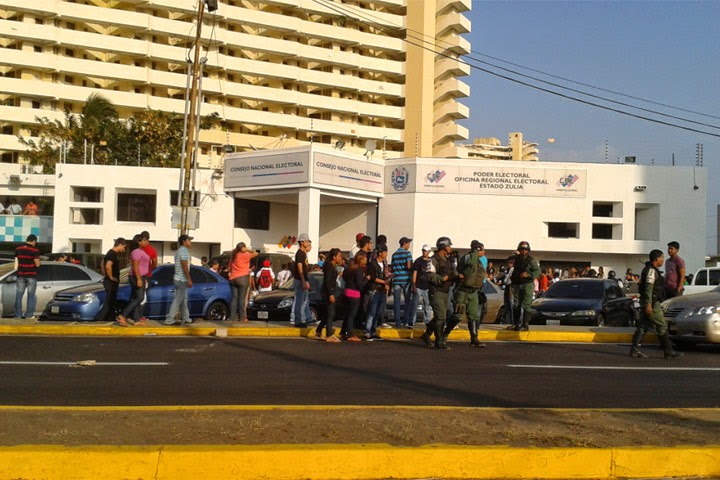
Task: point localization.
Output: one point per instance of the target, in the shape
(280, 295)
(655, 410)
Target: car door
(9, 288)
(617, 306)
(204, 288)
(161, 292)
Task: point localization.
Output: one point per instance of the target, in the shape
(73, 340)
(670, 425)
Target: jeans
(327, 318)
(353, 305)
(407, 318)
(134, 308)
(180, 302)
(423, 295)
(22, 284)
(301, 304)
(107, 312)
(239, 287)
(376, 310)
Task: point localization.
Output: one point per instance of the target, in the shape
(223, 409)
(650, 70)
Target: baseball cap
(182, 238)
(303, 238)
(405, 240)
(359, 237)
(523, 244)
(266, 263)
(476, 245)
(427, 247)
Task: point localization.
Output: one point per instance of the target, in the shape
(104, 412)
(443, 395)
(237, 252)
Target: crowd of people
(12, 207)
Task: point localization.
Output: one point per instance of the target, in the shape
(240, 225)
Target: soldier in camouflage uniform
(441, 276)
(471, 276)
(526, 270)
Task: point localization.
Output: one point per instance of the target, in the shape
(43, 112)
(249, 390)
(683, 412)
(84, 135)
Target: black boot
(516, 318)
(429, 330)
(473, 326)
(670, 353)
(525, 325)
(439, 337)
(637, 340)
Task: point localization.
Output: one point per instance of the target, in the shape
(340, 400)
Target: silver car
(694, 319)
(51, 278)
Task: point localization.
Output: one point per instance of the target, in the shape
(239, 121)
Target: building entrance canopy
(304, 167)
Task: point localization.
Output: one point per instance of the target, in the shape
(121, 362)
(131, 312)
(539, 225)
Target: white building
(606, 215)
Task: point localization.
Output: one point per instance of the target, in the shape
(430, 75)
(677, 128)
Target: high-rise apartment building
(278, 72)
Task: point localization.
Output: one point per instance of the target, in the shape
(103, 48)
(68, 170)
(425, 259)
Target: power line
(343, 10)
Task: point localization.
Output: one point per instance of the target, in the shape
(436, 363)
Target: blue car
(209, 297)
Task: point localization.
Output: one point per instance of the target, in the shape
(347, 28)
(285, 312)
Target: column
(309, 218)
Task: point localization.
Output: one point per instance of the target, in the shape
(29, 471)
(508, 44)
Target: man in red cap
(357, 246)
(265, 278)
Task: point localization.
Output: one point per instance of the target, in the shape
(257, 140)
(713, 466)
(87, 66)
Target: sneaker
(169, 322)
(367, 337)
(386, 325)
(32, 319)
(332, 339)
(409, 327)
(187, 321)
(353, 339)
(377, 337)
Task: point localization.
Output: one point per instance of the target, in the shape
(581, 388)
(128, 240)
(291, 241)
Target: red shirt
(152, 253)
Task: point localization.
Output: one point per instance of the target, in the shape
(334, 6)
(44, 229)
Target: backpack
(265, 280)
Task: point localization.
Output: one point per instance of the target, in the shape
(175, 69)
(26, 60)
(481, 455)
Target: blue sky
(664, 51)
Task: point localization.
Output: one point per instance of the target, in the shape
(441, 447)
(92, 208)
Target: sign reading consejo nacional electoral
(493, 180)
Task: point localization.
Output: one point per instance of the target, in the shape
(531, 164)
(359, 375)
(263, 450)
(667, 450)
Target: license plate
(263, 315)
(552, 322)
(54, 309)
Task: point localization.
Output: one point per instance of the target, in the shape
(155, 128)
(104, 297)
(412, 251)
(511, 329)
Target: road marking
(99, 364)
(600, 367)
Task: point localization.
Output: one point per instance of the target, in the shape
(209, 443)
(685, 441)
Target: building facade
(277, 72)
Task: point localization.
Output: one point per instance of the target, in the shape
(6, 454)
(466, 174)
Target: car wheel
(680, 345)
(313, 315)
(600, 320)
(217, 312)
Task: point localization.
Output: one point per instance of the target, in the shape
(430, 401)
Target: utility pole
(192, 119)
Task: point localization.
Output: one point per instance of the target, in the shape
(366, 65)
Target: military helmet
(476, 245)
(523, 244)
(443, 242)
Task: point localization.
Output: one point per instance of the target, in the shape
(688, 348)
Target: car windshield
(315, 282)
(575, 289)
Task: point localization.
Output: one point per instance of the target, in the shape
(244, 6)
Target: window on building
(136, 207)
(647, 221)
(86, 194)
(252, 214)
(86, 216)
(563, 230)
(606, 231)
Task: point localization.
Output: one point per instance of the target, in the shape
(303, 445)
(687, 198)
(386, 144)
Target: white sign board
(483, 180)
(266, 170)
(345, 172)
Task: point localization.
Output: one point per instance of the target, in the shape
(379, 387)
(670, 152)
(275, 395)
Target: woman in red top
(239, 276)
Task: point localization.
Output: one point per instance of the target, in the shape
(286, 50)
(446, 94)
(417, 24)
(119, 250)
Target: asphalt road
(248, 371)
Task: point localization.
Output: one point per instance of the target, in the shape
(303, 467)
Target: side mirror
(612, 296)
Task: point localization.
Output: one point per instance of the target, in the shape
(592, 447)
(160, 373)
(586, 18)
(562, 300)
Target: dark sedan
(584, 301)
(275, 306)
(209, 297)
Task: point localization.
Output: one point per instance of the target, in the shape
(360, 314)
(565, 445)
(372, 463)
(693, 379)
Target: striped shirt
(26, 255)
(181, 254)
(401, 273)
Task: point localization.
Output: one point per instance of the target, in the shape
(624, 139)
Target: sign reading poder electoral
(538, 182)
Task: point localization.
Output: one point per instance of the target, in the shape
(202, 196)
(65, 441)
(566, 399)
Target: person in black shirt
(301, 282)
(111, 280)
(421, 285)
(356, 279)
(328, 295)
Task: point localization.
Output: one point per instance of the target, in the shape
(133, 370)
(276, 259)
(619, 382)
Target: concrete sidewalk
(488, 332)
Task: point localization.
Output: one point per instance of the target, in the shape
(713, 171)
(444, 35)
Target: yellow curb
(351, 462)
(288, 332)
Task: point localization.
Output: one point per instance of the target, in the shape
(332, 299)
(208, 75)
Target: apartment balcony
(16, 228)
(452, 22)
(457, 5)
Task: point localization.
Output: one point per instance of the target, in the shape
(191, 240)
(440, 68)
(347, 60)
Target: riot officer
(441, 276)
(652, 293)
(525, 271)
(471, 276)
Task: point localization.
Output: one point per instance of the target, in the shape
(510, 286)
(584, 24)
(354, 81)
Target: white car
(52, 277)
(694, 319)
